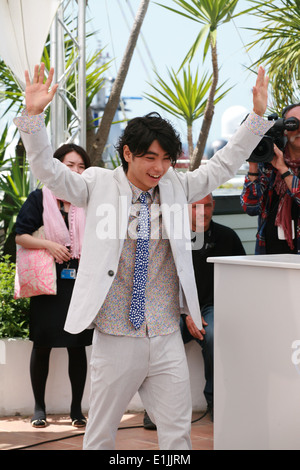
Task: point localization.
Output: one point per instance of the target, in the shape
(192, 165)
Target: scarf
(284, 212)
(55, 227)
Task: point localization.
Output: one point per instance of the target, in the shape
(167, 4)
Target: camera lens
(263, 152)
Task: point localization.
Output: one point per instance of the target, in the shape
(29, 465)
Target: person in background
(64, 226)
(272, 192)
(218, 240)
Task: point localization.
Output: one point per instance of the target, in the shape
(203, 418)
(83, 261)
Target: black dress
(48, 312)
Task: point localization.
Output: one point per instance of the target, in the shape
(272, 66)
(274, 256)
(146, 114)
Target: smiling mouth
(154, 176)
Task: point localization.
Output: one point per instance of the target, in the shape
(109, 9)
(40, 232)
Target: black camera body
(264, 152)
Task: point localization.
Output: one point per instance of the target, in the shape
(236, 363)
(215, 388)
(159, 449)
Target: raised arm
(225, 163)
(64, 183)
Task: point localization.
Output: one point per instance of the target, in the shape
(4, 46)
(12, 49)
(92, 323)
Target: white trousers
(156, 368)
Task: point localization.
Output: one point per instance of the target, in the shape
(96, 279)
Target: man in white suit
(150, 357)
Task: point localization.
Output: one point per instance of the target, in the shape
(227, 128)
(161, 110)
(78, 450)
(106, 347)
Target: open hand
(38, 94)
(260, 92)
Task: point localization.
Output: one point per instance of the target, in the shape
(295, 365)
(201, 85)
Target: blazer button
(110, 272)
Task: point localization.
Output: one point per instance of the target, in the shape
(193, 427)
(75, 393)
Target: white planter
(15, 386)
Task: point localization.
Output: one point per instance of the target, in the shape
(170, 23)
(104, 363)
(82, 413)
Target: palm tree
(210, 14)
(184, 99)
(279, 32)
(114, 98)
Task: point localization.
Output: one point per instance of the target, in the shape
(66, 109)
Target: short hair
(140, 132)
(288, 108)
(64, 149)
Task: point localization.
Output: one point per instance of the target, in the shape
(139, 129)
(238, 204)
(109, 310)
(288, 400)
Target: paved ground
(16, 433)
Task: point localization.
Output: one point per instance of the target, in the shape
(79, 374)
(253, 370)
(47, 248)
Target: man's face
(294, 136)
(201, 213)
(146, 171)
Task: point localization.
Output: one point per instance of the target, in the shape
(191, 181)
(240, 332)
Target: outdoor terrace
(16, 433)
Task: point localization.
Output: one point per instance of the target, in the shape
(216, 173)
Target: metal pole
(61, 107)
(59, 128)
(58, 107)
(82, 72)
(53, 50)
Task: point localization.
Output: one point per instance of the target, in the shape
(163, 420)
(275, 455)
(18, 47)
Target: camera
(264, 152)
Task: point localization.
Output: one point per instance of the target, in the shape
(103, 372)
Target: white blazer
(99, 190)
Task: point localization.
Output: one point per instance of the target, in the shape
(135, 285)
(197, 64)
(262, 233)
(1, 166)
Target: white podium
(257, 352)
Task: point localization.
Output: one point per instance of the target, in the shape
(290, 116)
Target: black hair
(140, 132)
(64, 149)
(288, 108)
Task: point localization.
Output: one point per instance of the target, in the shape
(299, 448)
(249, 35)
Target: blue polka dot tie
(137, 309)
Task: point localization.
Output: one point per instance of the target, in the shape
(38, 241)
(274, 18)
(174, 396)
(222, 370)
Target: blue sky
(168, 37)
(165, 39)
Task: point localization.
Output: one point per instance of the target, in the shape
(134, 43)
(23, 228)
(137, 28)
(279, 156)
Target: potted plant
(14, 342)
(13, 312)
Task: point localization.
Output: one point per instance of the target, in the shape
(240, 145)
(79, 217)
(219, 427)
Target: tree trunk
(208, 114)
(190, 140)
(114, 98)
(90, 133)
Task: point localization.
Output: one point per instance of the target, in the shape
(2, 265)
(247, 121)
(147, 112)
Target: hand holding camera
(278, 160)
(264, 152)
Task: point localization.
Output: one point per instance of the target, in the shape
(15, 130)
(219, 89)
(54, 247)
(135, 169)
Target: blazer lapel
(175, 217)
(166, 193)
(123, 204)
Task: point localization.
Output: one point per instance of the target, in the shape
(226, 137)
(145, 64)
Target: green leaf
(278, 32)
(185, 97)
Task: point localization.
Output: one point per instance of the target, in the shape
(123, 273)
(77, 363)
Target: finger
(200, 334)
(35, 74)
(262, 80)
(267, 78)
(66, 253)
(41, 73)
(277, 151)
(27, 79)
(53, 91)
(50, 77)
(64, 258)
(260, 76)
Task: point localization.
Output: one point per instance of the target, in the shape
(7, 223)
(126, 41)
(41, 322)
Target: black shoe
(38, 423)
(39, 419)
(148, 424)
(79, 422)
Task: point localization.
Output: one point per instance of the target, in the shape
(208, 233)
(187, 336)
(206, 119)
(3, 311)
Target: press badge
(68, 273)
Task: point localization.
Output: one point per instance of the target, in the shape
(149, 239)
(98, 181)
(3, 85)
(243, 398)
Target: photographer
(272, 190)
